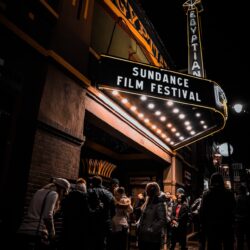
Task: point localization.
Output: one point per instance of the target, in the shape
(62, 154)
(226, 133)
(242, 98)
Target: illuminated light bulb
(133, 108)
(124, 100)
(181, 116)
(153, 127)
(151, 105)
(141, 115)
(173, 129)
(170, 103)
(175, 110)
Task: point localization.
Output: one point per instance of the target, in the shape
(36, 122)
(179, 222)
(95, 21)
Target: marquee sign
(143, 79)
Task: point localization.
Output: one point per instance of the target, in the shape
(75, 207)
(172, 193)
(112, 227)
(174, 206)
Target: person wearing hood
(120, 224)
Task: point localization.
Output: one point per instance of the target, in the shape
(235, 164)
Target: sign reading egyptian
(143, 79)
(195, 62)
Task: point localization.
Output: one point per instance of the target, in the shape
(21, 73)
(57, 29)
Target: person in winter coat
(120, 223)
(153, 219)
(102, 209)
(37, 227)
(75, 213)
(217, 215)
(242, 218)
(179, 222)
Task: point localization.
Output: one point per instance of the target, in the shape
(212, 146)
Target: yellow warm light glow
(133, 108)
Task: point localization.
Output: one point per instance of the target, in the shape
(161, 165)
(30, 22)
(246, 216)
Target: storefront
(72, 123)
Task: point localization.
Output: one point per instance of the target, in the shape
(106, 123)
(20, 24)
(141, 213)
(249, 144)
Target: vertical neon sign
(195, 59)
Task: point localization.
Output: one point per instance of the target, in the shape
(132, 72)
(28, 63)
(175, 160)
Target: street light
(238, 108)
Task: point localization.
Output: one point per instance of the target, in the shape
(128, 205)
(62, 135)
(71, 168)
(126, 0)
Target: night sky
(226, 47)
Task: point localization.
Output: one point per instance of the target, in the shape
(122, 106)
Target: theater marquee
(139, 79)
(143, 79)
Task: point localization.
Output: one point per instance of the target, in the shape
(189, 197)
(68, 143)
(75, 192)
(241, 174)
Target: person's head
(180, 191)
(114, 184)
(216, 180)
(119, 192)
(62, 185)
(142, 195)
(181, 198)
(168, 195)
(97, 181)
(81, 185)
(153, 189)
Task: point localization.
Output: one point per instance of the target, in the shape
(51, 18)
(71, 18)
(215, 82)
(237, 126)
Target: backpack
(96, 205)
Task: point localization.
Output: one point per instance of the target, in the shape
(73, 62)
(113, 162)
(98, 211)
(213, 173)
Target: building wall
(44, 56)
(59, 135)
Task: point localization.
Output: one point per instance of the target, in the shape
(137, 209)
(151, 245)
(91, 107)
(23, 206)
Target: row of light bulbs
(162, 118)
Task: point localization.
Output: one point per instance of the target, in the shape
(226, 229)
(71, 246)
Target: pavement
(192, 244)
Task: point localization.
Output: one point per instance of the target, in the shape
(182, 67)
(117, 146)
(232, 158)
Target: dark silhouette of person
(179, 222)
(100, 226)
(242, 218)
(217, 215)
(75, 214)
(153, 219)
(140, 200)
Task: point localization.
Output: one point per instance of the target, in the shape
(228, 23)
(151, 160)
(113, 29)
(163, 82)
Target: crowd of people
(98, 218)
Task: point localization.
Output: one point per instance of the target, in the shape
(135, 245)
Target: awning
(178, 108)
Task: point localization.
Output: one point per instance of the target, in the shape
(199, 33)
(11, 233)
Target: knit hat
(180, 191)
(63, 183)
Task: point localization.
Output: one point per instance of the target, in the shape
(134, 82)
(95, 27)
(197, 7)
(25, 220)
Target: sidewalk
(192, 244)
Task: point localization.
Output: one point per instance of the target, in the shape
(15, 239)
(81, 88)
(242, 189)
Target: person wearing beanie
(37, 227)
(180, 191)
(62, 183)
